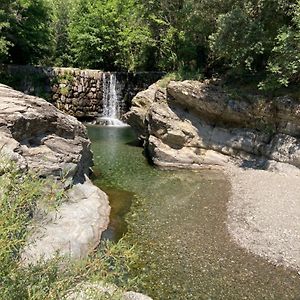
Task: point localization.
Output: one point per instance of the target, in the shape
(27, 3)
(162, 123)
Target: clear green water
(177, 219)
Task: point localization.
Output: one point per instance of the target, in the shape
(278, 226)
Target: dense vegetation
(234, 37)
(20, 195)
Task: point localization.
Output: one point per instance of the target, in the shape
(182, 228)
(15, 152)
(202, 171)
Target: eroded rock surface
(39, 137)
(197, 124)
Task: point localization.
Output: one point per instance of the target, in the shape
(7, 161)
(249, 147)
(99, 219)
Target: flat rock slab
(264, 214)
(74, 229)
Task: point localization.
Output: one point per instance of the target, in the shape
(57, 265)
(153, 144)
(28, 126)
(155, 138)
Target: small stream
(177, 219)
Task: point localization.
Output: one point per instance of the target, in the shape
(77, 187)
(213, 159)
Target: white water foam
(111, 103)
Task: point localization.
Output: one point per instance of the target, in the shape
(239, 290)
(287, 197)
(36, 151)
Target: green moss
(65, 78)
(64, 90)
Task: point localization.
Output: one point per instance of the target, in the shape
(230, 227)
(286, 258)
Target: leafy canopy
(240, 37)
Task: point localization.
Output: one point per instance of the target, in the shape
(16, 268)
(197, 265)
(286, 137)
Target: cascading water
(111, 104)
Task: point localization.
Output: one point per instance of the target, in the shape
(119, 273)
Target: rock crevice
(197, 124)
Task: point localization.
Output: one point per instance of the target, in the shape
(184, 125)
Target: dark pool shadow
(136, 143)
(120, 202)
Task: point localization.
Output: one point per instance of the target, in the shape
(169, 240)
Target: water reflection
(178, 221)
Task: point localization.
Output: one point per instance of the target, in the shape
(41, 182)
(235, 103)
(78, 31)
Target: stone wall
(75, 91)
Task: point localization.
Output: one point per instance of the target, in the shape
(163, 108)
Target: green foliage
(112, 264)
(25, 31)
(4, 43)
(61, 15)
(20, 195)
(284, 62)
(259, 36)
(107, 35)
(236, 37)
(64, 90)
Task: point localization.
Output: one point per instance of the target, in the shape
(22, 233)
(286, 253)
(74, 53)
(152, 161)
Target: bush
(20, 195)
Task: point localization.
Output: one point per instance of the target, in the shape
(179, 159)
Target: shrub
(20, 195)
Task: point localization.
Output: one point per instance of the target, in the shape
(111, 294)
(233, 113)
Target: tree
(25, 30)
(251, 33)
(61, 16)
(108, 35)
(180, 31)
(284, 62)
(6, 6)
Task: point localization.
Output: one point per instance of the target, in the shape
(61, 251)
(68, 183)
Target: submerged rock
(196, 124)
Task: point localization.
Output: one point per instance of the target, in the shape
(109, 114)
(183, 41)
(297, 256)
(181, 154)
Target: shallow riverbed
(178, 221)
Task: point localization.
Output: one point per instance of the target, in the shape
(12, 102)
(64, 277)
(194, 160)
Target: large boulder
(197, 124)
(74, 229)
(39, 137)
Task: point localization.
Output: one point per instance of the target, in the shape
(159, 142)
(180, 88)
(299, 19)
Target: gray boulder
(39, 137)
(195, 124)
(73, 230)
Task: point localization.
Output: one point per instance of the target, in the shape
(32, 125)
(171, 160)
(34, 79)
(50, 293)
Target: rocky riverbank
(255, 140)
(39, 137)
(197, 124)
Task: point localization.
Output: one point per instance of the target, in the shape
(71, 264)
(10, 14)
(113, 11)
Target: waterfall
(111, 103)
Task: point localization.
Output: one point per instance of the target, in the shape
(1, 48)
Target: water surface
(178, 221)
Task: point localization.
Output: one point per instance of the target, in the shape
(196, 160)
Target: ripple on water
(179, 226)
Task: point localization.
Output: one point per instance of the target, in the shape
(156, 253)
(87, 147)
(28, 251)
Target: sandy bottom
(264, 214)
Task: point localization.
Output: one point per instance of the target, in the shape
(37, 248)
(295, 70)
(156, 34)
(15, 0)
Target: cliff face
(197, 124)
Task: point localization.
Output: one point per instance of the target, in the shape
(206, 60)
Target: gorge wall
(80, 93)
(197, 124)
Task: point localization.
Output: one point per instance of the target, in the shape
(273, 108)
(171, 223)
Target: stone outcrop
(39, 137)
(197, 124)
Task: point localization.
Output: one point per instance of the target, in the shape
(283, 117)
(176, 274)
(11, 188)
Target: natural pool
(178, 221)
